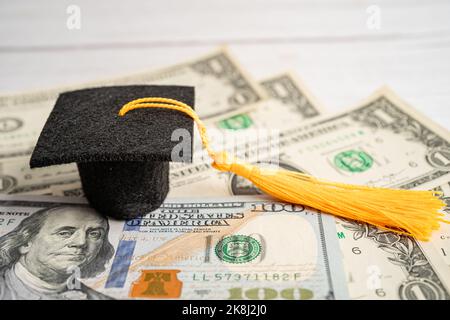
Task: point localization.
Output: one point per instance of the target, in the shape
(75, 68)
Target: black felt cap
(123, 161)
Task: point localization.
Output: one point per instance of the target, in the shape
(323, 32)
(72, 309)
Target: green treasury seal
(353, 161)
(237, 122)
(238, 249)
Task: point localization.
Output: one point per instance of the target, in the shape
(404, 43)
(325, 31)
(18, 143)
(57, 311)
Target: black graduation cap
(123, 161)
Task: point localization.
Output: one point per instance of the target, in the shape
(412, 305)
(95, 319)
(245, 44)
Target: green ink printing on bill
(238, 249)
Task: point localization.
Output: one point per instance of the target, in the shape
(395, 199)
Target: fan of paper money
(217, 236)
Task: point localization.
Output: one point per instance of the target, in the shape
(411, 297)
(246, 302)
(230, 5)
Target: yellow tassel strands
(412, 213)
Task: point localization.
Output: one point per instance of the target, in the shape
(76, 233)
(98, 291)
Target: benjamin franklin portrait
(38, 259)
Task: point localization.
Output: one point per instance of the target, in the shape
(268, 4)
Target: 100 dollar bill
(219, 248)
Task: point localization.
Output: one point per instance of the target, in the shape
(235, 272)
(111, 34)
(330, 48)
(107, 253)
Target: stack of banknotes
(217, 236)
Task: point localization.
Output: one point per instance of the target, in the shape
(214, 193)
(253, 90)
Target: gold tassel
(412, 213)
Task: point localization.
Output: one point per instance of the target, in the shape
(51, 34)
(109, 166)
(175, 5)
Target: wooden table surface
(328, 43)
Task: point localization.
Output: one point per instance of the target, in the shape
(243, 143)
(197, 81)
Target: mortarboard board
(123, 162)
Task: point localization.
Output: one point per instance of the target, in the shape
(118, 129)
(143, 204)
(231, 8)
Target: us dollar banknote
(219, 248)
(289, 104)
(382, 142)
(221, 86)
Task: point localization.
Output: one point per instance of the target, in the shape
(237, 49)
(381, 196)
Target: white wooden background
(326, 42)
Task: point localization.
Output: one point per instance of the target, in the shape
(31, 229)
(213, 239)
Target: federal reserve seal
(353, 161)
(238, 249)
